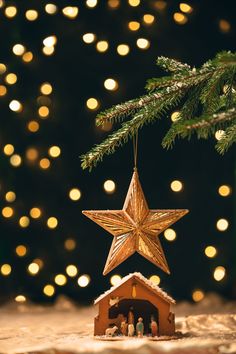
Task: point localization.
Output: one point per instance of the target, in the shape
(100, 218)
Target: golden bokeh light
(20, 298)
(11, 79)
(134, 3)
(39, 262)
(43, 112)
(109, 186)
(50, 41)
(106, 127)
(70, 11)
(15, 106)
(224, 190)
(54, 151)
(219, 134)
(89, 38)
(170, 234)
(33, 126)
(70, 244)
(176, 186)
(224, 26)
(15, 160)
(84, 280)
(102, 46)
(222, 224)
(50, 9)
(52, 222)
(44, 163)
(10, 196)
(31, 15)
(6, 269)
(197, 295)
(8, 149)
(48, 50)
(32, 154)
(143, 43)
(33, 268)
(185, 8)
(60, 279)
(219, 273)
(180, 18)
(35, 212)
(113, 4)
(210, 251)
(46, 88)
(3, 68)
(74, 194)
(123, 49)
(155, 279)
(10, 11)
(92, 103)
(49, 290)
(24, 221)
(175, 116)
(115, 279)
(148, 19)
(7, 212)
(111, 84)
(18, 49)
(27, 57)
(91, 3)
(21, 250)
(134, 25)
(71, 270)
(3, 90)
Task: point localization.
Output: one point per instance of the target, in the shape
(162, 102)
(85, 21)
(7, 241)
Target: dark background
(77, 71)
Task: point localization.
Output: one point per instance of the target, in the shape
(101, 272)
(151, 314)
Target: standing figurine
(130, 329)
(124, 327)
(140, 327)
(154, 327)
(131, 316)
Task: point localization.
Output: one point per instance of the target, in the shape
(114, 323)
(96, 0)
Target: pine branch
(228, 139)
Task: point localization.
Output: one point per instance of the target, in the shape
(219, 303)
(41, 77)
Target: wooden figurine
(110, 332)
(130, 330)
(154, 327)
(140, 327)
(124, 327)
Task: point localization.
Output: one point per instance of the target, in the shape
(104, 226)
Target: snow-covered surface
(149, 283)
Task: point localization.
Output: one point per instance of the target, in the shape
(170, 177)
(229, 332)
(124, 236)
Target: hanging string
(135, 148)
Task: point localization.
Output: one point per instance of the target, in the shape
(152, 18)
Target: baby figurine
(140, 327)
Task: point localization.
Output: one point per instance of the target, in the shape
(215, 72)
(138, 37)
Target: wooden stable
(141, 296)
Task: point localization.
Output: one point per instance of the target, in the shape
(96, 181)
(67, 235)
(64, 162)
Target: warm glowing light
(3, 90)
(44, 163)
(210, 251)
(92, 103)
(33, 268)
(224, 190)
(48, 50)
(197, 295)
(115, 279)
(106, 127)
(170, 234)
(10, 11)
(20, 298)
(35, 213)
(52, 222)
(33, 126)
(176, 186)
(89, 37)
(43, 111)
(21, 250)
(143, 43)
(31, 15)
(75, 194)
(18, 49)
(49, 290)
(219, 134)
(111, 84)
(50, 41)
(123, 49)
(219, 273)
(102, 46)
(70, 11)
(91, 3)
(60, 279)
(155, 279)
(109, 186)
(222, 224)
(11, 78)
(148, 19)
(8, 149)
(134, 25)
(113, 4)
(54, 151)
(70, 244)
(7, 212)
(39, 262)
(15, 106)
(84, 280)
(10, 197)
(224, 26)
(71, 270)
(32, 154)
(51, 9)
(27, 57)
(46, 88)
(185, 8)
(24, 221)
(180, 18)
(15, 160)
(6, 269)
(175, 116)
(134, 3)
(3, 68)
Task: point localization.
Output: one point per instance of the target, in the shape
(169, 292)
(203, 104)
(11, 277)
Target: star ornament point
(135, 228)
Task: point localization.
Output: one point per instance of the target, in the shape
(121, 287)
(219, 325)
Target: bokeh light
(6, 269)
(198, 295)
(21, 250)
(70, 244)
(52, 222)
(71, 270)
(224, 190)
(102, 46)
(84, 280)
(210, 251)
(123, 49)
(31, 15)
(35, 213)
(54, 151)
(219, 273)
(7, 212)
(70, 11)
(74, 194)
(170, 234)
(92, 103)
(115, 279)
(176, 186)
(49, 290)
(60, 279)
(109, 186)
(33, 268)
(111, 84)
(155, 279)
(15, 160)
(24, 221)
(222, 224)
(10, 196)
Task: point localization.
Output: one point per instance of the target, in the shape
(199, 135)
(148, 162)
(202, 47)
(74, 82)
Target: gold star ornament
(135, 228)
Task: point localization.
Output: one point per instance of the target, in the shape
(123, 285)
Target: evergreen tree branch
(227, 140)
